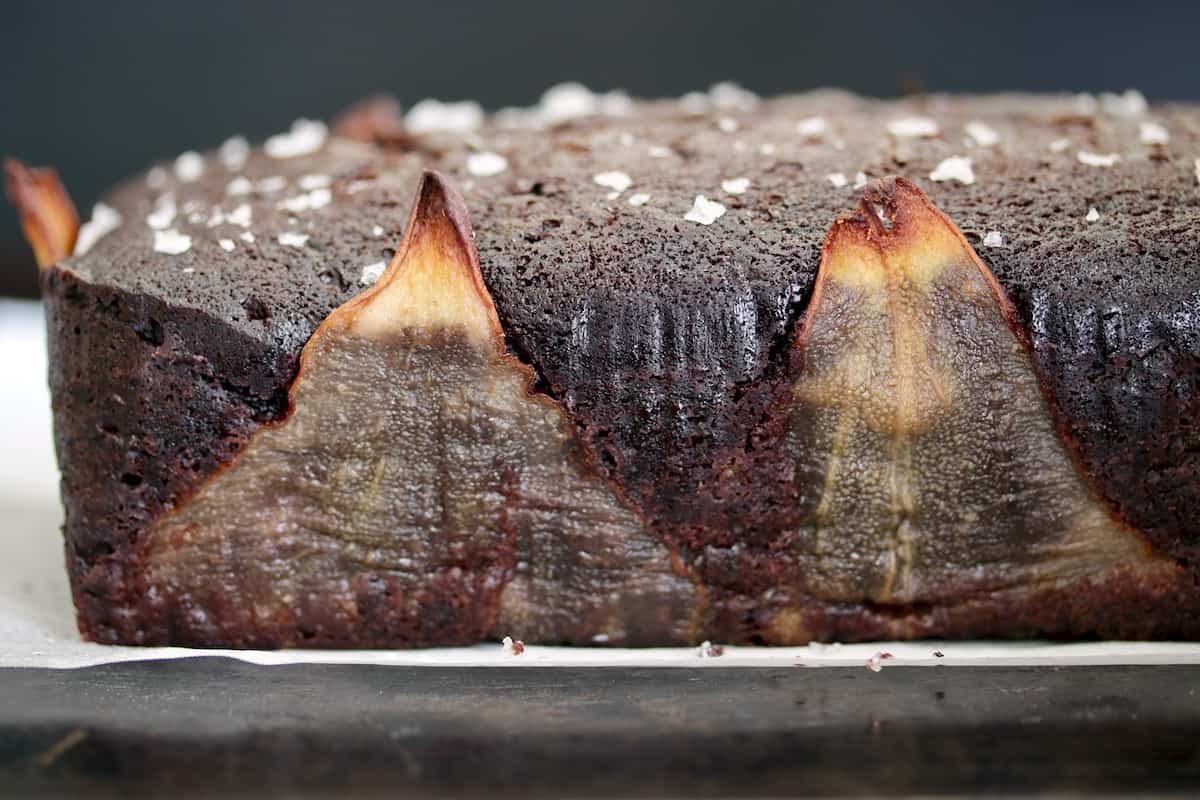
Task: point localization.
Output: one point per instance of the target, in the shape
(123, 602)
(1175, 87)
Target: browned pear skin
(48, 217)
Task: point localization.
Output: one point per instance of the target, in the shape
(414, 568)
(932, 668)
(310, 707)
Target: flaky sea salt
(954, 168)
(156, 178)
(291, 239)
(812, 127)
(239, 185)
(565, 101)
(1197, 171)
(1153, 133)
(434, 116)
(860, 180)
(372, 272)
(273, 183)
(234, 152)
(317, 198)
(1093, 215)
(837, 179)
(639, 199)
(735, 185)
(1130, 103)
(993, 239)
(1097, 159)
(305, 136)
(240, 215)
(704, 211)
(727, 124)
(247, 237)
(614, 179)
(171, 242)
(377, 231)
(189, 166)
(1058, 145)
(226, 244)
(163, 214)
(982, 134)
(310, 182)
(658, 151)
(913, 127)
(486, 164)
(105, 219)
(729, 95)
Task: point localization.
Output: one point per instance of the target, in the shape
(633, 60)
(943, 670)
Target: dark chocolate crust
(668, 343)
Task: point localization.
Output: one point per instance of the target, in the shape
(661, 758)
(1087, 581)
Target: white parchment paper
(37, 622)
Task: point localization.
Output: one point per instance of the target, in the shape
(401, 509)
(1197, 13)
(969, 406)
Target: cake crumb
(1153, 133)
(812, 127)
(233, 153)
(954, 168)
(837, 179)
(486, 164)
(913, 128)
(226, 244)
(704, 211)
(735, 185)
(639, 199)
(993, 239)
(171, 242)
(938, 654)
(875, 662)
(1097, 159)
(105, 219)
(290, 239)
(616, 180)
(709, 650)
(189, 166)
(982, 134)
(1093, 215)
(305, 136)
(372, 272)
(512, 647)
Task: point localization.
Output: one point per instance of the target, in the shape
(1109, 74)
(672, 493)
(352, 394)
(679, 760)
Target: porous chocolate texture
(673, 347)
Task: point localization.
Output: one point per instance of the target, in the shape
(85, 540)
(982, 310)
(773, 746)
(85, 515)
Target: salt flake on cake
(812, 127)
(434, 116)
(993, 239)
(614, 179)
(171, 242)
(1153, 133)
(704, 211)
(982, 134)
(1059, 145)
(954, 168)
(105, 219)
(639, 199)
(1097, 159)
(1093, 215)
(189, 166)
(310, 182)
(913, 128)
(305, 136)
(486, 164)
(233, 153)
(291, 239)
(838, 179)
(226, 244)
(239, 186)
(372, 272)
(163, 214)
(735, 185)
(240, 215)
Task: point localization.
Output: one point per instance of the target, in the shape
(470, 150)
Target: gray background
(98, 89)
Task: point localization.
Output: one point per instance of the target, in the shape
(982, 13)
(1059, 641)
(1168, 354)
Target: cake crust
(668, 343)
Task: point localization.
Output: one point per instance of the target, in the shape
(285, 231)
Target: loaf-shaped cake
(816, 367)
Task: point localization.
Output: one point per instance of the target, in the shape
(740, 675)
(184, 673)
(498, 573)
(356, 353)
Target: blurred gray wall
(98, 89)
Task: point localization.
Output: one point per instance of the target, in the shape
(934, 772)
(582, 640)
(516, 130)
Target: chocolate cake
(723, 368)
